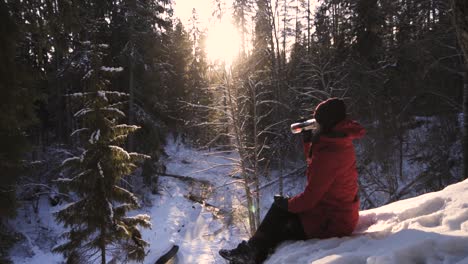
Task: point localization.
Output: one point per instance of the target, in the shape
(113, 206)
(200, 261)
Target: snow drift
(431, 228)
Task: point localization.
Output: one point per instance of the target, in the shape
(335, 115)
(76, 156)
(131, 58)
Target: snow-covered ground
(199, 230)
(432, 228)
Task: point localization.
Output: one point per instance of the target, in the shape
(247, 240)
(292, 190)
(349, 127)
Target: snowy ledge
(431, 228)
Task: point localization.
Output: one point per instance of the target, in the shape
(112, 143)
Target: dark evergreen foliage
(95, 176)
(16, 108)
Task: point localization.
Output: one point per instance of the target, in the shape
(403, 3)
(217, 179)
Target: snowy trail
(190, 225)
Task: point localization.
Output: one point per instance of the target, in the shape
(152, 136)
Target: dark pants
(277, 226)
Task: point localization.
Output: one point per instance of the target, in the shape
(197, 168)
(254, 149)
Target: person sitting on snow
(329, 205)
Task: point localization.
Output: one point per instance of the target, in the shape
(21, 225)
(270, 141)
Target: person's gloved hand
(307, 136)
(281, 202)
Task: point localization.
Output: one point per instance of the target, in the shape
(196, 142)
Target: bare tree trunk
(102, 245)
(465, 122)
(274, 15)
(131, 86)
(243, 33)
(285, 14)
(242, 154)
(256, 150)
(460, 19)
(308, 26)
(401, 139)
(274, 41)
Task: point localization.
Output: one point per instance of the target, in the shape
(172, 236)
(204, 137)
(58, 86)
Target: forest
(93, 90)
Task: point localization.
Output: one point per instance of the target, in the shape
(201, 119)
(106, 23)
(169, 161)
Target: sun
(223, 42)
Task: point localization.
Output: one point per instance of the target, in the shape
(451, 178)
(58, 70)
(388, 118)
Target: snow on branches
(111, 69)
(96, 174)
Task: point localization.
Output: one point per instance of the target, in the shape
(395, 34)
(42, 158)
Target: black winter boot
(243, 254)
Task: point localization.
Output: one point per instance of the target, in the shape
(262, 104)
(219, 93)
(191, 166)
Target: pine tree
(98, 220)
(180, 55)
(198, 94)
(242, 9)
(138, 28)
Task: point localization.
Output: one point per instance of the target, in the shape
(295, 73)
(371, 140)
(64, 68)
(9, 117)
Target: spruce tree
(180, 56)
(97, 221)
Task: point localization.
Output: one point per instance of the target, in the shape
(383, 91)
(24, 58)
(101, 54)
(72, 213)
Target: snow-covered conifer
(97, 222)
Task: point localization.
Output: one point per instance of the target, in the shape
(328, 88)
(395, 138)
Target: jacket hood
(351, 128)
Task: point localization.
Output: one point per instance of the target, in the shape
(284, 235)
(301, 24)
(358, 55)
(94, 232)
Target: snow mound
(431, 228)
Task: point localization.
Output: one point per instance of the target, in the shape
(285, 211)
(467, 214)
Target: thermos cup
(299, 127)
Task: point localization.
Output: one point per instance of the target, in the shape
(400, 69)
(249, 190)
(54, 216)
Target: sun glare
(223, 42)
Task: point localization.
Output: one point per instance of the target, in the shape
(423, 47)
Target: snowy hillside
(431, 228)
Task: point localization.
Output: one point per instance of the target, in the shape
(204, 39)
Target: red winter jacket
(329, 205)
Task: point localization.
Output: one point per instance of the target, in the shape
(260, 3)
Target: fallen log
(183, 178)
(199, 200)
(168, 256)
